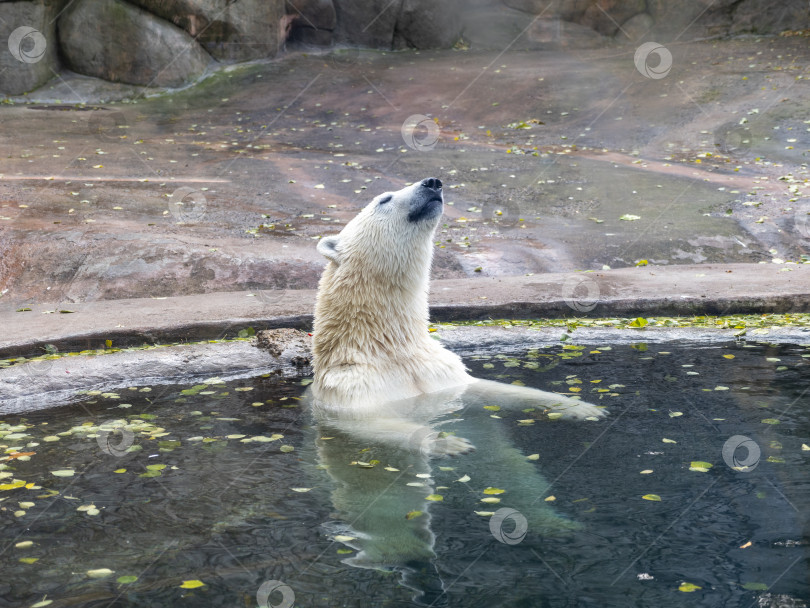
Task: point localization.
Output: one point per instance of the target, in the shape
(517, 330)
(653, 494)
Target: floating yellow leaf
(728, 356)
(492, 408)
(494, 491)
(63, 473)
(434, 497)
(688, 587)
(343, 538)
(533, 457)
(100, 573)
(675, 414)
(699, 465)
(263, 439)
(491, 499)
(24, 544)
(654, 497)
(746, 545)
(42, 603)
(192, 584)
(13, 485)
(300, 489)
(411, 514)
(665, 440)
(646, 471)
(464, 479)
(755, 586)
(485, 513)
(286, 448)
(550, 499)
(638, 322)
(770, 421)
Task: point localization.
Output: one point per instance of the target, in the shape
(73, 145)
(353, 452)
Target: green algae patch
(741, 323)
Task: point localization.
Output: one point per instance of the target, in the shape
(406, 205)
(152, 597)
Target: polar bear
(370, 341)
(388, 398)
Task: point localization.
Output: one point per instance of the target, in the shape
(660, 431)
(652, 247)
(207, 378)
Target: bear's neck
(362, 316)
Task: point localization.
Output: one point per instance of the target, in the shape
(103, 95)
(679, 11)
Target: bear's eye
(386, 199)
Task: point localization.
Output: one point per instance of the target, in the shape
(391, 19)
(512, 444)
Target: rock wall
(145, 49)
(28, 49)
(171, 42)
(667, 20)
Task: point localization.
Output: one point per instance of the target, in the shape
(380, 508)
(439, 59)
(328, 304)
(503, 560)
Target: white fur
(371, 343)
(383, 390)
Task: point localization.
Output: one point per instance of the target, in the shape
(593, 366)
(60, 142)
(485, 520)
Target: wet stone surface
(227, 185)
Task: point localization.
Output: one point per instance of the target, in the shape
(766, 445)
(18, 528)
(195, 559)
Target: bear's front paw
(580, 410)
(450, 445)
(433, 444)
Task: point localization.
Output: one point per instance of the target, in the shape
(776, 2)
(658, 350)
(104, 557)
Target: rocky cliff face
(171, 42)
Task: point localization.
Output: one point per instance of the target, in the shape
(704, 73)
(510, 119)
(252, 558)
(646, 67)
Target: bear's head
(370, 341)
(391, 237)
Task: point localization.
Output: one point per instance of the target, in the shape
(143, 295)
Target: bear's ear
(328, 248)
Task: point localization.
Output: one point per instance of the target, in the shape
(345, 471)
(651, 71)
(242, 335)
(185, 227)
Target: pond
(693, 490)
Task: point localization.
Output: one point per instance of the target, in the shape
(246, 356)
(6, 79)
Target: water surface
(227, 484)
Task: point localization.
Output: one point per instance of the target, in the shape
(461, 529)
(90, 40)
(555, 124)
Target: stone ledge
(646, 291)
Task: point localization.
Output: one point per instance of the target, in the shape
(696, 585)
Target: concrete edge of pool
(688, 290)
(286, 353)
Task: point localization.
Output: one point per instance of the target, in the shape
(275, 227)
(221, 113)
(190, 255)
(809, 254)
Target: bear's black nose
(433, 183)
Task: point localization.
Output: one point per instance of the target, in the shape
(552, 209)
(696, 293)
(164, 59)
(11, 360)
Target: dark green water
(200, 487)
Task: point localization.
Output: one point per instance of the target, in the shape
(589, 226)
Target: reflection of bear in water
(384, 389)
